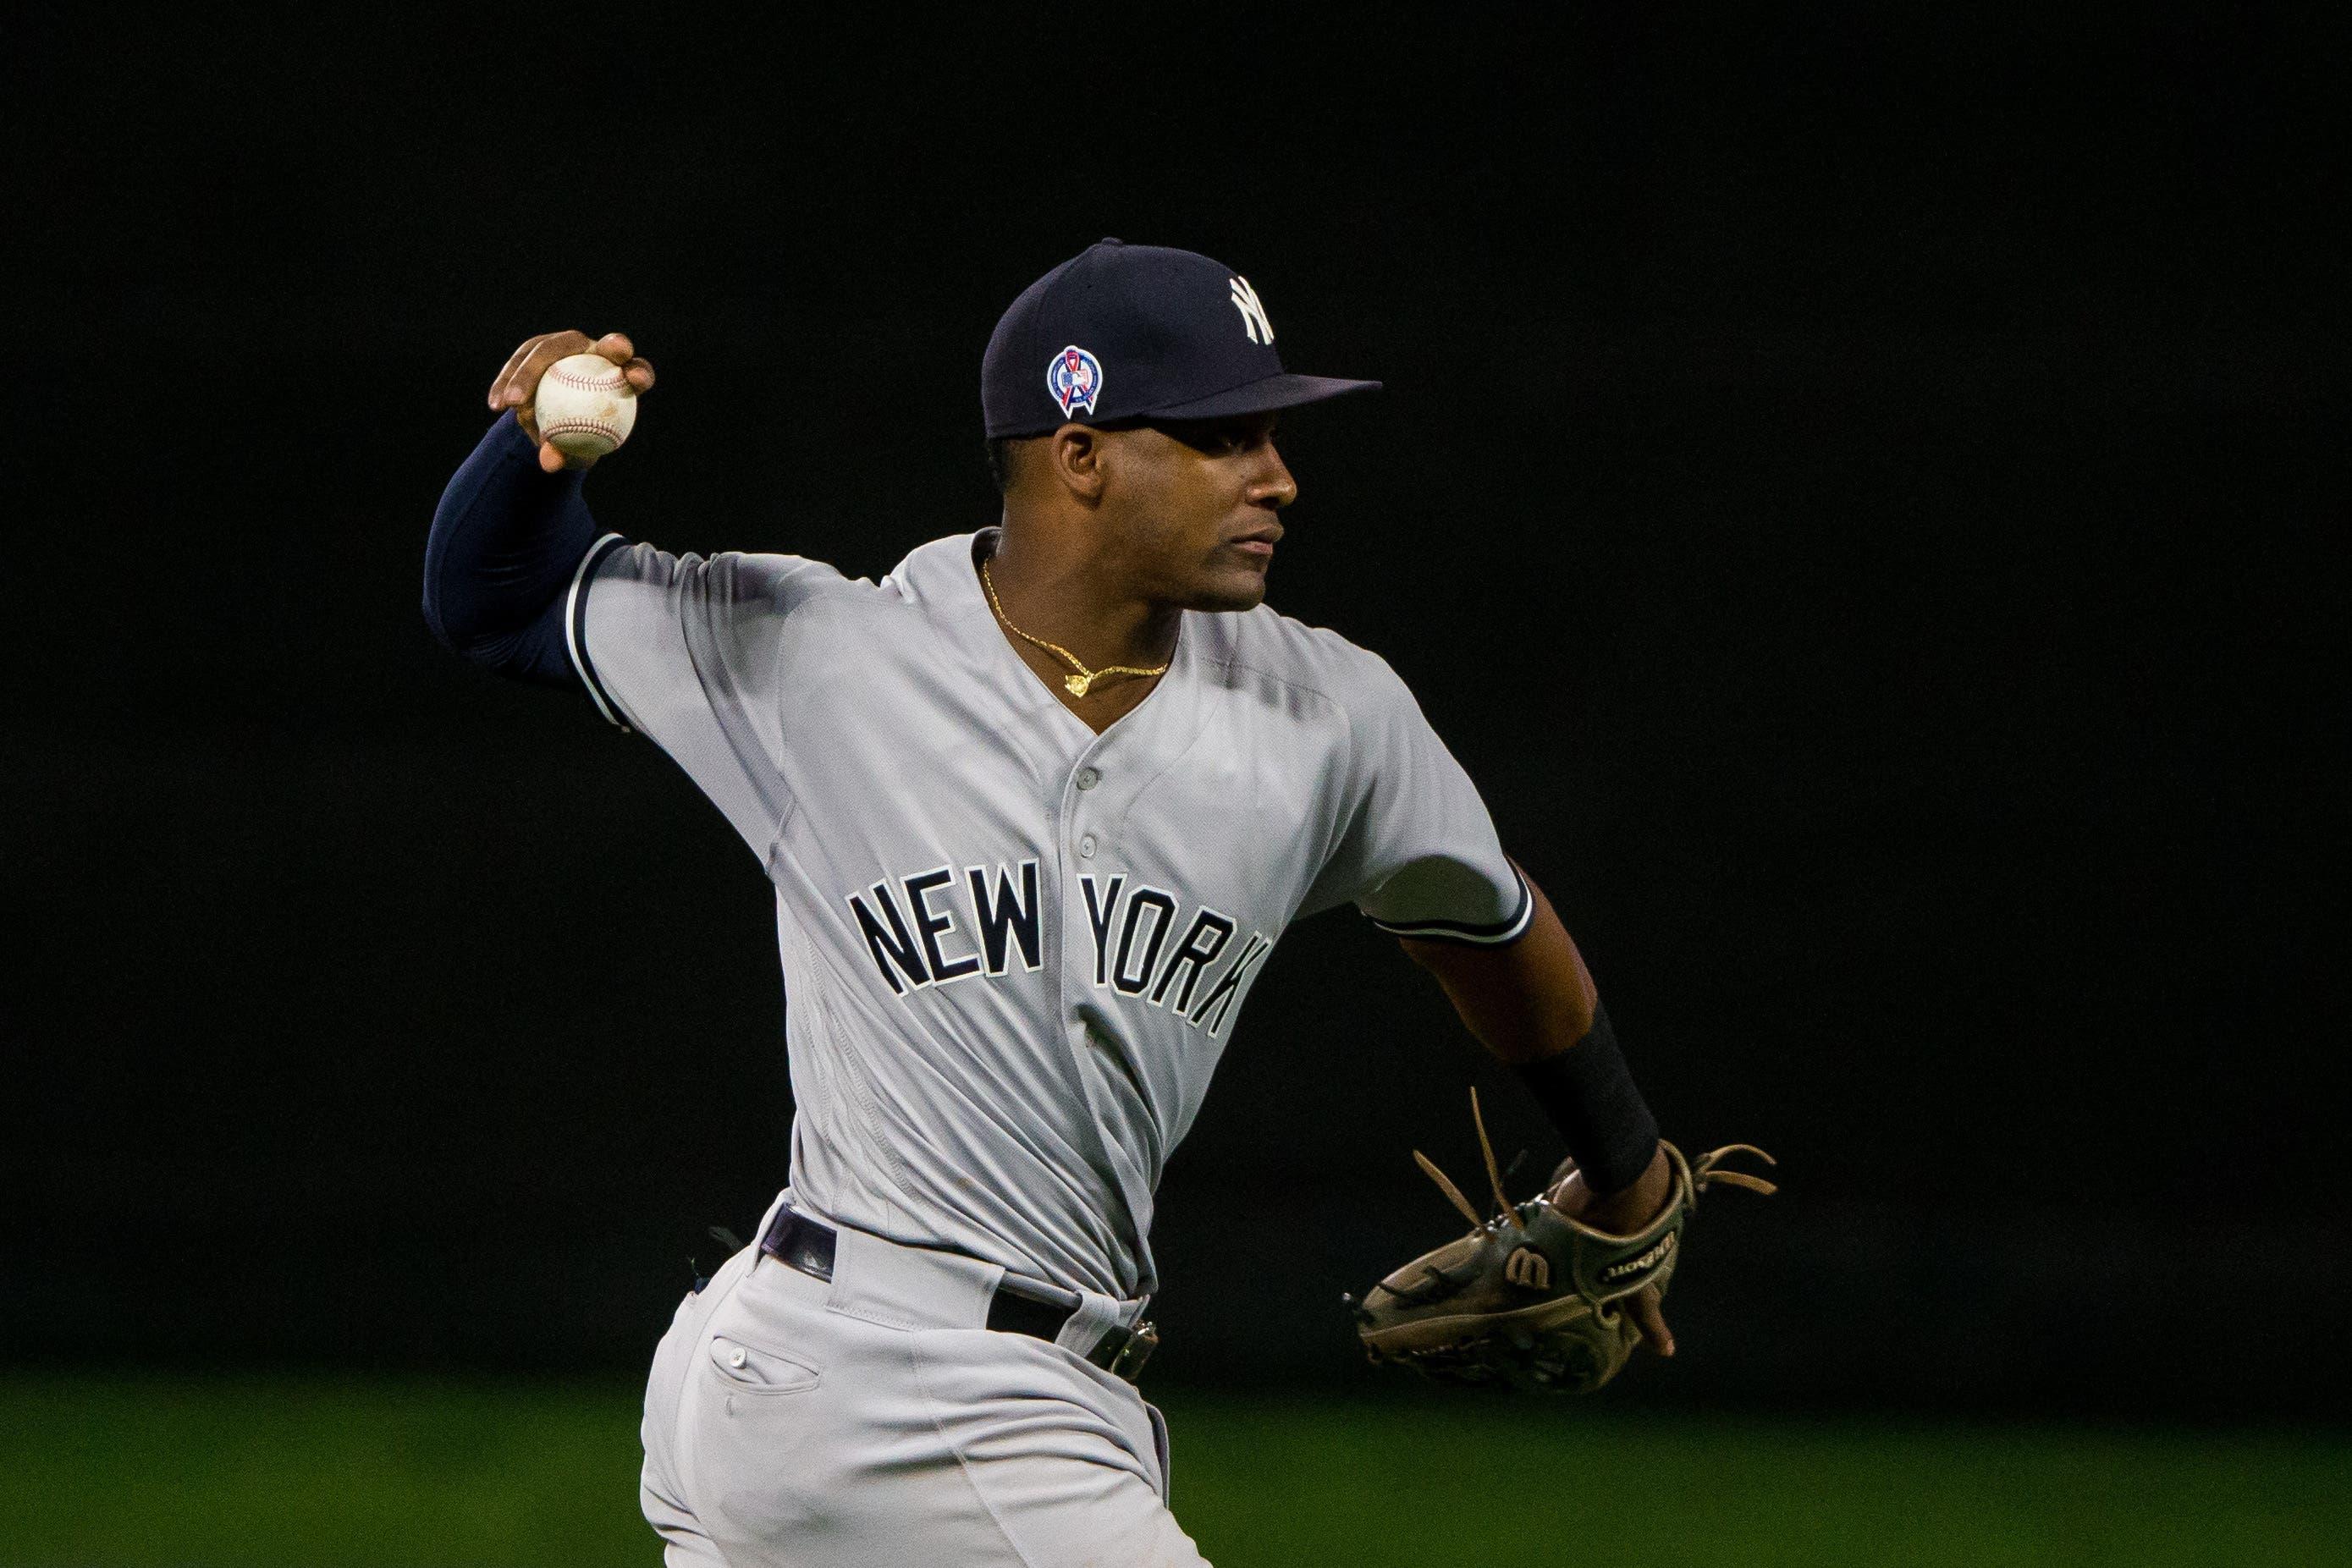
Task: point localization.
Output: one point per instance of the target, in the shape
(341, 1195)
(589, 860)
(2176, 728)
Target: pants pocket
(754, 1369)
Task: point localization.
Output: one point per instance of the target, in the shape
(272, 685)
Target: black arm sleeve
(506, 541)
(1590, 1097)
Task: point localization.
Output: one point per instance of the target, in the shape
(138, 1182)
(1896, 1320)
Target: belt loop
(1096, 1316)
(884, 1281)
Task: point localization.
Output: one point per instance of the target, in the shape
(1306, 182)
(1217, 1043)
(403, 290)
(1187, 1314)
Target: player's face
(1193, 503)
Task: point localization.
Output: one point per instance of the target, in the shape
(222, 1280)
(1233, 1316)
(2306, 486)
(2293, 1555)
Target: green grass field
(291, 1472)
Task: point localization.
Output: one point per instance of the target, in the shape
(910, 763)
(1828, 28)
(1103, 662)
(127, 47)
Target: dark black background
(1851, 487)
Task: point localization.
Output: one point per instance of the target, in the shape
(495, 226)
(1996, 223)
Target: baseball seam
(579, 426)
(598, 383)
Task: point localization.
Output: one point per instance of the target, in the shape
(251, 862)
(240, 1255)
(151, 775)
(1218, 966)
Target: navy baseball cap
(1131, 331)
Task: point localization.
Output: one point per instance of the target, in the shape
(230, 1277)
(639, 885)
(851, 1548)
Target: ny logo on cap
(1253, 322)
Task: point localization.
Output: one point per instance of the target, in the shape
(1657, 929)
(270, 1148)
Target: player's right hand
(516, 387)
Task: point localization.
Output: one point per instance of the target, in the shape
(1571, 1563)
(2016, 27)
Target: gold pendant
(1077, 684)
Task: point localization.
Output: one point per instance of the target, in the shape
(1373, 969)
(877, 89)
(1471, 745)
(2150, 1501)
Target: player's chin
(1230, 588)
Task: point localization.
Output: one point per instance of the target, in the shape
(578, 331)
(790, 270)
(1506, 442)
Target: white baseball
(585, 406)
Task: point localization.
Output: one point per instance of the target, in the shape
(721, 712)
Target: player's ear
(1077, 451)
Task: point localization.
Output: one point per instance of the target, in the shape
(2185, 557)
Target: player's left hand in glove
(1535, 1297)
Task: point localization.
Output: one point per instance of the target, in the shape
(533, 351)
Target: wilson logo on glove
(1461, 1314)
(1616, 1272)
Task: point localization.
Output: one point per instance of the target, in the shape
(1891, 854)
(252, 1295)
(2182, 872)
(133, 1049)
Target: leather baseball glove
(1532, 1298)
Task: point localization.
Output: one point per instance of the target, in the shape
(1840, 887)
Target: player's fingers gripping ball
(585, 407)
(1533, 1298)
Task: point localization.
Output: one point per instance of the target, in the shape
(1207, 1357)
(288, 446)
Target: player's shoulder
(1309, 659)
(753, 570)
(937, 575)
(757, 580)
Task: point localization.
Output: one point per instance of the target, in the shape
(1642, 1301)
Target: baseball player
(1036, 806)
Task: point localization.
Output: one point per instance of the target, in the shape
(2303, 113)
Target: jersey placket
(1105, 781)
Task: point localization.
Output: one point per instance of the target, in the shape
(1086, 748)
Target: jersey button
(1086, 847)
(1088, 777)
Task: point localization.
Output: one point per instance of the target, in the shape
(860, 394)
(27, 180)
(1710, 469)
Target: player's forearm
(1532, 1003)
(506, 539)
(1528, 998)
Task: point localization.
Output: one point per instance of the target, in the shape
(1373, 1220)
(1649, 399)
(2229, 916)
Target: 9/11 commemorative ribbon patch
(1075, 378)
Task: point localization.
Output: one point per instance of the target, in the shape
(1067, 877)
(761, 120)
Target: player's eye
(1225, 440)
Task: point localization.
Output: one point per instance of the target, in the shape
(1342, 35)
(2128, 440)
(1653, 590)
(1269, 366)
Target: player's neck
(1064, 597)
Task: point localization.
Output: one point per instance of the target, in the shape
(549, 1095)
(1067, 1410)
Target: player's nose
(1273, 485)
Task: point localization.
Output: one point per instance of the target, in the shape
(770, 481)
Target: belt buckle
(1128, 1361)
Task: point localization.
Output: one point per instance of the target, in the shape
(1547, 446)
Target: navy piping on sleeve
(575, 629)
(1494, 936)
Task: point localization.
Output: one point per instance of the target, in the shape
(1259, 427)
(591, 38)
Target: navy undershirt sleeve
(506, 540)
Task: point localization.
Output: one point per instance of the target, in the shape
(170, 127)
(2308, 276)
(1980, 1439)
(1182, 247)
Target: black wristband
(1591, 1098)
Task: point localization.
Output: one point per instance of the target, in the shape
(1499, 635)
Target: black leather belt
(808, 1245)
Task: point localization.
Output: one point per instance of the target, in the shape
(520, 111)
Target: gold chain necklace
(1085, 677)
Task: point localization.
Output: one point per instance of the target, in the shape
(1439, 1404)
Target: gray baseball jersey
(1013, 949)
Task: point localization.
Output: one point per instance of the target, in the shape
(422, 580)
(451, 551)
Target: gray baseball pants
(872, 1422)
